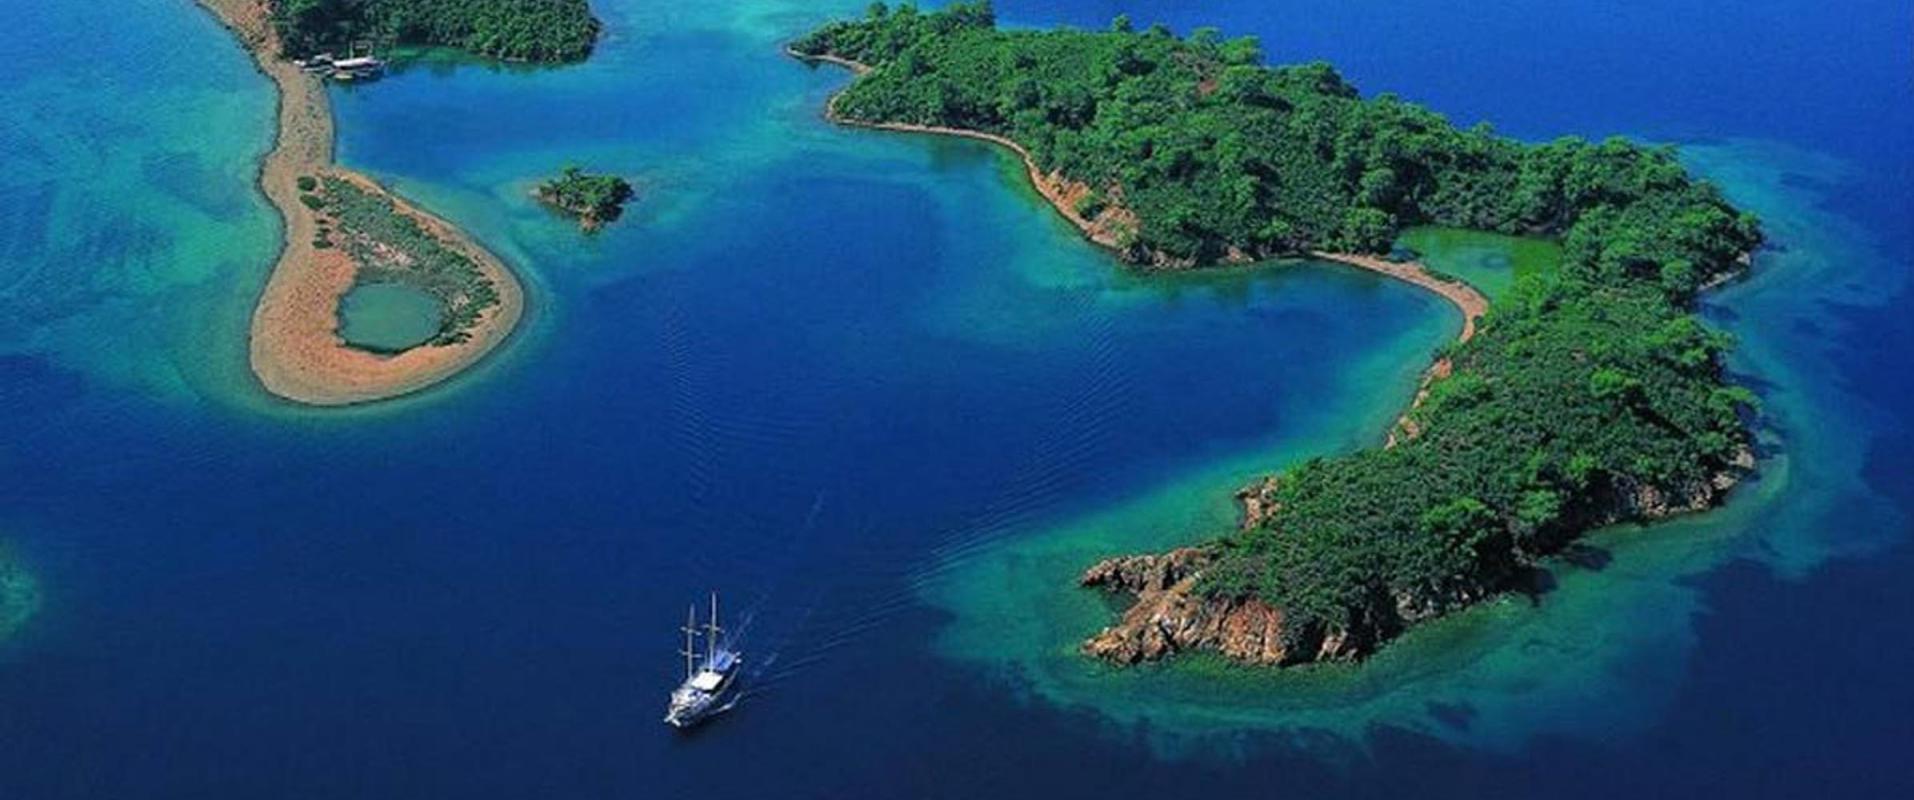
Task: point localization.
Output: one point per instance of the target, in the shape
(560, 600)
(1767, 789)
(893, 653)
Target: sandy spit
(295, 347)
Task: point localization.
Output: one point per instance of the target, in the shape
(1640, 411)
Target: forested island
(1591, 396)
(549, 31)
(593, 199)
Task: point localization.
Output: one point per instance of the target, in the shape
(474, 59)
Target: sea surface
(872, 389)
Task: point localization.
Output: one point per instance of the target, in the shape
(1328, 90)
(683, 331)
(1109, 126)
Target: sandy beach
(1463, 296)
(295, 347)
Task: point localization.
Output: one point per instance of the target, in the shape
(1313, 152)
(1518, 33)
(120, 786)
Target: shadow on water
(1456, 716)
(1587, 556)
(1541, 580)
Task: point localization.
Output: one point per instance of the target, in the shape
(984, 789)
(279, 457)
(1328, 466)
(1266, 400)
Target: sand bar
(295, 348)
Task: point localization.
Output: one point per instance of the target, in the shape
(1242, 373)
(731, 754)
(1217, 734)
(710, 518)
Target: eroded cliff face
(1170, 616)
(1632, 500)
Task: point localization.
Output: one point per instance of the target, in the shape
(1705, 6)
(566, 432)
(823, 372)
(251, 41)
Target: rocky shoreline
(588, 219)
(1170, 614)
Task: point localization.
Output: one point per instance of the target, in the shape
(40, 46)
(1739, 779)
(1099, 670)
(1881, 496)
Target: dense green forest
(1589, 395)
(518, 30)
(389, 246)
(595, 199)
(1214, 151)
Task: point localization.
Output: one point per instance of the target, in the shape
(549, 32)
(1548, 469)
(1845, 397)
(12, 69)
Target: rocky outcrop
(1171, 617)
(1258, 501)
(1626, 499)
(1147, 574)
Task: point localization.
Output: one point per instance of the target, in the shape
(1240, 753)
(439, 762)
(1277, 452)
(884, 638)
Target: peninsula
(1583, 398)
(342, 229)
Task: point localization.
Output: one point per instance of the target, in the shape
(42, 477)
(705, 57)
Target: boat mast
(711, 646)
(691, 651)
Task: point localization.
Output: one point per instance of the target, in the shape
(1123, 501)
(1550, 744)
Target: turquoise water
(389, 317)
(870, 387)
(131, 224)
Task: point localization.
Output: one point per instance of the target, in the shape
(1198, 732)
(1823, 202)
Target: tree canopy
(519, 30)
(1214, 152)
(596, 199)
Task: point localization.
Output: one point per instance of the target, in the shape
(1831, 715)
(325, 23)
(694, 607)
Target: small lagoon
(389, 317)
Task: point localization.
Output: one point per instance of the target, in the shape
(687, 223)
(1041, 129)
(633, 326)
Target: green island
(1591, 394)
(593, 199)
(392, 247)
(514, 30)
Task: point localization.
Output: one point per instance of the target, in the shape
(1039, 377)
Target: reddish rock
(1170, 617)
(1258, 501)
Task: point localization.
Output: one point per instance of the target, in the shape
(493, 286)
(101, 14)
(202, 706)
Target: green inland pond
(389, 317)
(1491, 262)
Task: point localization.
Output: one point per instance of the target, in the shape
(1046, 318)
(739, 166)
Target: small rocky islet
(594, 200)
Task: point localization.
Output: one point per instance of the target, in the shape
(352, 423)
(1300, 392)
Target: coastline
(1173, 611)
(588, 220)
(295, 349)
(1062, 195)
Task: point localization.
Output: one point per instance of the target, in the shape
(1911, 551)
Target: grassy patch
(393, 247)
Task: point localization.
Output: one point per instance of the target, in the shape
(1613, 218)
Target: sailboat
(706, 682)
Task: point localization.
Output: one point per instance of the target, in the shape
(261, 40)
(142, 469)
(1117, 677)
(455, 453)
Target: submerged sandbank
(296, 350)
(19, 595)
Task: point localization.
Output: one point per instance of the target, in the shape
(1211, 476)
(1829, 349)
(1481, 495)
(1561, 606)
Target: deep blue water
(806, 366)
